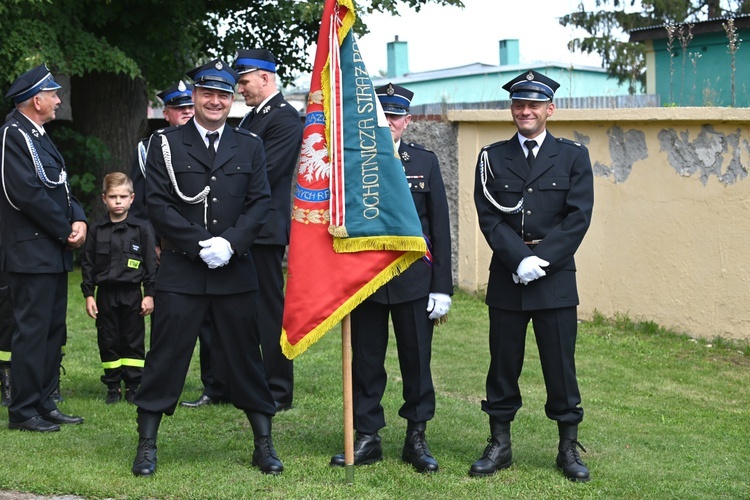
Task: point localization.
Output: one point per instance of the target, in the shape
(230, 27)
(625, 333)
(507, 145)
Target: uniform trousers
(555, 331)
(7, 325)
(121, 332)
(173, 337)
(211, 363)
(279, 370)
(40, 303)
(413, 330)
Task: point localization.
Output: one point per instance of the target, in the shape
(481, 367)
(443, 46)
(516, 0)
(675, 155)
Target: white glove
(516, 279)
(216, 252)
(530, 269)
(438, 305)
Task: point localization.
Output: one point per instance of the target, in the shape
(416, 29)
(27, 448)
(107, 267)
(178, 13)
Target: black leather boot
(416, 451)
(5, 383)
(145, 459)
(367, 450)
(498, 454)
(568, 458)
(264, 455)
(56, 394)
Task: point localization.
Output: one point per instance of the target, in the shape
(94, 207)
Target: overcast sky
(443, 37)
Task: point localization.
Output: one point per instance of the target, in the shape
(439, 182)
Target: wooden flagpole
(346, 361)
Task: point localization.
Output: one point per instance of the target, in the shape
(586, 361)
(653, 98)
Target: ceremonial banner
(354, 225)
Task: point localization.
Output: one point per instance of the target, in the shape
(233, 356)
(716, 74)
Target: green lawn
(666, 417)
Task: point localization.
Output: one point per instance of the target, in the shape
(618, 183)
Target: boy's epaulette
(563, 140)
(495, 144)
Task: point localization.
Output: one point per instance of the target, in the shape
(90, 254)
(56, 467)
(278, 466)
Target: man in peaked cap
(178, 109)
(36, 201)
(208, 198)
(414, 301)
(534, 195)
(277, 122)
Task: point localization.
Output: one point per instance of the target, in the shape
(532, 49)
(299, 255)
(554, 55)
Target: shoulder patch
(562, 140)
(495, 144)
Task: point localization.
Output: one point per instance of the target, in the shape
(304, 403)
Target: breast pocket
(553, 191)
(191, 177)
(508, 192)
(238, 177)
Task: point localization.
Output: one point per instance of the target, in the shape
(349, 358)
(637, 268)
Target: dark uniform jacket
(138, 208)
(34, 237)
(237, 208)
(428, 191)
(118, 253)
(278, 124)
(558, 198)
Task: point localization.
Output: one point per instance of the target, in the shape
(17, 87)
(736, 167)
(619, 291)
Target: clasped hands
(216, 252)
(530, 269)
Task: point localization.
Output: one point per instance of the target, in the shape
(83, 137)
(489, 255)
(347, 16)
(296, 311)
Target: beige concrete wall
(670, 234)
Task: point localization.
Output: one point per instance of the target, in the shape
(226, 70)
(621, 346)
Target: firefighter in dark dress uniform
(534, 195)
(277, 123)
(208, 198)
(414, 300)
(41, 223)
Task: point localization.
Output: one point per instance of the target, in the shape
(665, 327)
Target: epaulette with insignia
(494, 144)
(562, 140)
(419, 146)
(167, 130)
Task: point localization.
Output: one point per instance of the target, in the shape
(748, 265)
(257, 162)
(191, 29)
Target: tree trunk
(113, 108)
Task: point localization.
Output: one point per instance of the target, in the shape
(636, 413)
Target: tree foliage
(159, 39)
(611, 20)
(119, 52)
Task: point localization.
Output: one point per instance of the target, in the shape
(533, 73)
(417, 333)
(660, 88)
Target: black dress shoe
(282, 406)
(34, 424)
(58, 417)
(367, 450)
(201, 401)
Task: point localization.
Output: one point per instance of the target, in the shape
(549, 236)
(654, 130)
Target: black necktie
(530, 145)
(212, 137)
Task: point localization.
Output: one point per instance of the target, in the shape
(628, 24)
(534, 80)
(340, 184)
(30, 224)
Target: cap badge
(181, 86)
(530, 76)
(390, 90)
(219, 65)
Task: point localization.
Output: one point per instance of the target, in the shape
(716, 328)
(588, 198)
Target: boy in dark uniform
(118, 257)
